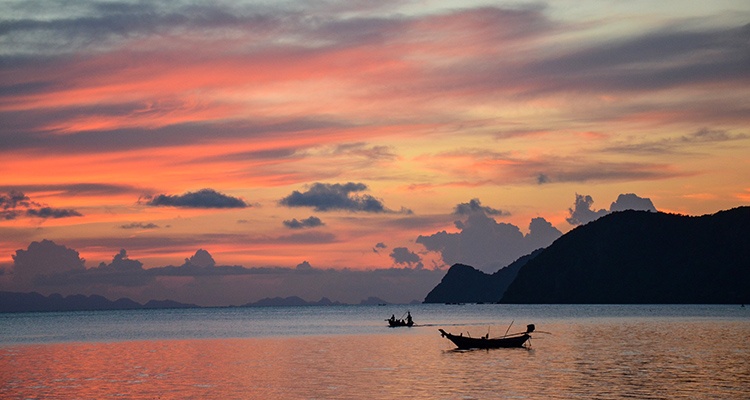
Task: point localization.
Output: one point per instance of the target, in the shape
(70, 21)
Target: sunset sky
(359, 134)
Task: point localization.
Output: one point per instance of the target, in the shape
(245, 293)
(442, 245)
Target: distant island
(627, 257)
(13, 302)
(32, 302)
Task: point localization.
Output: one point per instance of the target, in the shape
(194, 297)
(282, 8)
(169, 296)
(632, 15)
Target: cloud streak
(310, 222)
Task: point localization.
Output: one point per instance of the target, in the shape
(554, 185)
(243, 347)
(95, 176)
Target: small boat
(393, 322)
(399, 322)
(484, 342)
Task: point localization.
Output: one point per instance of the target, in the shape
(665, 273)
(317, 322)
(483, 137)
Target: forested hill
(643, 257)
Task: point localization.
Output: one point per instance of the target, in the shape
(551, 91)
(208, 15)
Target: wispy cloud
(680, 144)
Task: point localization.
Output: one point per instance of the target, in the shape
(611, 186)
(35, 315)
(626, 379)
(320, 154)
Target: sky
(221, 151)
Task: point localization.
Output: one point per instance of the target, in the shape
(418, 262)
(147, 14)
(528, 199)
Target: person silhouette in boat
(408, 318)
(393, 318)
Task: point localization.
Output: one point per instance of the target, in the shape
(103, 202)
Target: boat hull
(465, 343)
(399, 322)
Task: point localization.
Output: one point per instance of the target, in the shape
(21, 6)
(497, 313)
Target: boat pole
(506, 331)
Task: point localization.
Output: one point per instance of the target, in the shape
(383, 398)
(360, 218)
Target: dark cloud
(45, 258)
(49, 212)
(11, 201)
(310, 222)
(583, 212)
(304, 266)
(121, 262)
(630, 201)
(486, 244)
(327, 197)
(15, 204)
(542, 179)
(14, 199)
(139, 225)
(201, 259)
(402, 255)
(204, 198)
(379, 246)
(474, 205)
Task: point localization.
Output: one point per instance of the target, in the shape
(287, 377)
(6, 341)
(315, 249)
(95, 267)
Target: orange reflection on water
(595, 360)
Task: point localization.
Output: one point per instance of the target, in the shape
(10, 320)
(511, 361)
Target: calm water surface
(602, 352)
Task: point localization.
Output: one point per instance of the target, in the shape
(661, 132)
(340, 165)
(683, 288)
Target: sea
(349, 352)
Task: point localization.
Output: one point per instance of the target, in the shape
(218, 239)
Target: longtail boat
(484, 342)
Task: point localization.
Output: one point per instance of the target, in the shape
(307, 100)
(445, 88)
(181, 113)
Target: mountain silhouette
(632, 257)
(466, 284)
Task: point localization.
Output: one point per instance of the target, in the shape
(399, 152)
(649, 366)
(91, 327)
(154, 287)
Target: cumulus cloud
(487, 244)
(201, 259)
(121, 272)
(630, 201)
(15, 204)
(474, 205)
(45, 258)
(121, 262)
(583, 212)
(204, 198)
(310, 222)
(304, 266)
(327, 197)
(402, 255)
